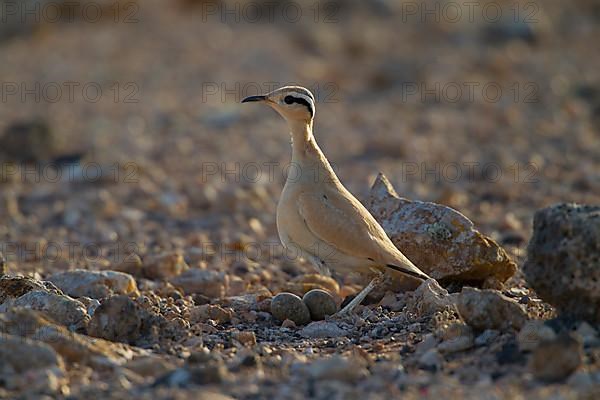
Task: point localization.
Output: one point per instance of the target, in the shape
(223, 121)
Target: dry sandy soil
(495, 117)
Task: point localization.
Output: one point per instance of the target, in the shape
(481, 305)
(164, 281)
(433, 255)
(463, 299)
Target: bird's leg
(361, 295)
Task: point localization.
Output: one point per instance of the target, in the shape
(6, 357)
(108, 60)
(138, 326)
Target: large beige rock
(26, 292)
(212, 284)
(62, 309)
(163, 266)
(439, 240)
(94, 284)
(73, 347)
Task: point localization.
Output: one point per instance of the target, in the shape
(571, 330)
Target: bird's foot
(360, 296)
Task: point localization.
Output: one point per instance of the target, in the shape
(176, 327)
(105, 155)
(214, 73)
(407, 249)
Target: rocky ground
(137, 200)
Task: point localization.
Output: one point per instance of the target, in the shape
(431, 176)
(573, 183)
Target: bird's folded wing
(346, 225)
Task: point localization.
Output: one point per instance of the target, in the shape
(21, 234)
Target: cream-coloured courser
(318, 217)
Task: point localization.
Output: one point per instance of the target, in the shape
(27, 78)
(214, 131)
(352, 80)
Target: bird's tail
(415, 273)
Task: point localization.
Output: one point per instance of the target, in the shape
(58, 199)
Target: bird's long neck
(303, 141)
(306, 153)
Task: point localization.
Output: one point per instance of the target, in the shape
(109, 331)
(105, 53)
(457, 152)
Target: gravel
(163, 193)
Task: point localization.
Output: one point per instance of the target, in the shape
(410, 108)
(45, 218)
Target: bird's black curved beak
(254, 98)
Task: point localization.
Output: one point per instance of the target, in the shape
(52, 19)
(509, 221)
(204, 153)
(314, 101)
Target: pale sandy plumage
(318, 217)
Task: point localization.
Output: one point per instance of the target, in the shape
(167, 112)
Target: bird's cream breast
(297, 237)
(290, 225)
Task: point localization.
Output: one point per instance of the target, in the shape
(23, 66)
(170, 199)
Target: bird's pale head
(293, 103)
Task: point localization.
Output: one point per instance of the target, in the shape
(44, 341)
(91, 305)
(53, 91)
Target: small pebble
(323, 329)
(488, 336)
(431, 360)
(555, 360)
(532, 333)
(3, 268)
(289, 306)
(247, 338)
(525, 300)
(118, 319)
(320, 304)
(338, 368)
(209, 311)
(457, 337)
(588, 334)
(288, 323)
(429, 342)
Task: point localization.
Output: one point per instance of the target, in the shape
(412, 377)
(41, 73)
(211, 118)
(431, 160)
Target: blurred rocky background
(137, 196)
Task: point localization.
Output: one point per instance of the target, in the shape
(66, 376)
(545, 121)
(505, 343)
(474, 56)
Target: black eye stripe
(299, 100)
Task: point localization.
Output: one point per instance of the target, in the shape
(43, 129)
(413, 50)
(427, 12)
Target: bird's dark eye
(288, 99)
